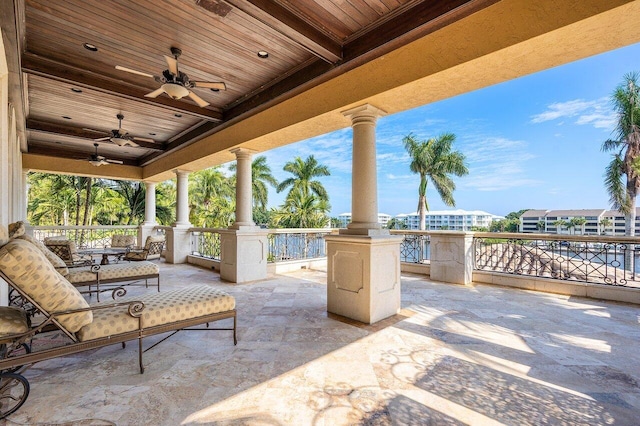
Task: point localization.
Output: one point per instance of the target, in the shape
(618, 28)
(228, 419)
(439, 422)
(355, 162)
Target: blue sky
(533, 142)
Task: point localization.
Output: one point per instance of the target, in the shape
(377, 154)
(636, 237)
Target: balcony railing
(283, 244)
(205, 242)
(85, 236)
(415, 246)
(590, 259)
(296, 244)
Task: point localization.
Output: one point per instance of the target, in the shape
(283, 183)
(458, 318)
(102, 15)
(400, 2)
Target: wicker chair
(152, 249)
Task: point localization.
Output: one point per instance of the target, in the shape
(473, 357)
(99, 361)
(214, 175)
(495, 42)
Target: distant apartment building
(345, 219)
(598, 221)
(454, 220)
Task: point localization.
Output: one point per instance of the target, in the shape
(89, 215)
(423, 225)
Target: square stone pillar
(363, 276)
(451, 256)
(178, 244)
(243, 254)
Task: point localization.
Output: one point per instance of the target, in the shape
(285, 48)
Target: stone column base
(451, 256)
(178, 244)
(243, 254)
(363, 276)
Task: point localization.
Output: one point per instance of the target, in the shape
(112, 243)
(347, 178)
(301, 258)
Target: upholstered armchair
(122, 241)
(152, 249)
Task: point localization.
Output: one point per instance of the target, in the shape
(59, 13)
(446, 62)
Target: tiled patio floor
(456, 355)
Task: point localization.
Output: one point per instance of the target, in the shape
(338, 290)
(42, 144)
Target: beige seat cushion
(29, 270)
(119, 240)
(113, 271)
(160, 308)
(13, 321)
(51, 256)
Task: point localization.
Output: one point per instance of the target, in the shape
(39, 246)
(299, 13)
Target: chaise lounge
(84, 273)
(57, 304)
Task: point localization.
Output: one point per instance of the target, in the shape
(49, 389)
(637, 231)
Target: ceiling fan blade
(125, 69)
(210, 84)
(129, 142)
(144, 140)
(173, 64)
(102, 139)
(107, 161)
(155, 93)
(197, 99)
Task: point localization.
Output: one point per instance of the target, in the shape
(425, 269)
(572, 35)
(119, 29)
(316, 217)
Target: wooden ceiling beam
(75, 132)
(36, 149)
(47, 68)
(291, 26)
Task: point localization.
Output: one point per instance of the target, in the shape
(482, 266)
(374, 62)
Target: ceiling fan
(175, 83)
(99, 160)
(121, 137)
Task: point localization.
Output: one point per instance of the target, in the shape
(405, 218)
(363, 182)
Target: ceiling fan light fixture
(175, 91)
(119, 141)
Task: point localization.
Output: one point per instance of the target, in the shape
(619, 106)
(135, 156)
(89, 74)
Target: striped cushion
(160, 308)
(29, 270)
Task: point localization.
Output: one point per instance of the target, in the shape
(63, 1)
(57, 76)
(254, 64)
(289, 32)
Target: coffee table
(105, 252)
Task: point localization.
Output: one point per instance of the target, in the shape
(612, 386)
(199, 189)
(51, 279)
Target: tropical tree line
(72, 200)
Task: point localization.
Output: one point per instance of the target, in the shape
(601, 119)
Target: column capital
(364, 111)
(242, 152)
(180, 172)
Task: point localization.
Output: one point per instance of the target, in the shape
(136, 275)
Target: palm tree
(626, 148)
(541, 225)
(433, 160)
(577, 222)
(302, 211)
(605, 223)
(212, 201)
(303, 181)
(559, 224)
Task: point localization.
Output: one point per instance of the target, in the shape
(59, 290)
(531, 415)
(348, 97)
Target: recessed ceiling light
(66, 117)
(152, 134)
(263, 54)
(90, 47)
(76, 90)
(177, 115)
(215, 90)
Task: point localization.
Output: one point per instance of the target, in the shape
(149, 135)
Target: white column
(363, 261)
(182, 198)
(244, 196)
(25, 198)
(150, 204)
(364, 187)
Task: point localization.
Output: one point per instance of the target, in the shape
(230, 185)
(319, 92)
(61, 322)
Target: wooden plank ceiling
(72, 95)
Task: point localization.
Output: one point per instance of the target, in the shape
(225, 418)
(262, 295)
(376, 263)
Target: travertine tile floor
(477, 355)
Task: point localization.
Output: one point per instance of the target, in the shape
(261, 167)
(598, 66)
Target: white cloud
(597, 113)
(496, 164)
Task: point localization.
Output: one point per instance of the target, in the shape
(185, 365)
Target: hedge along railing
(296, 244)
(85, 236)
(205, 242)
(590, 259)
(415, 246)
